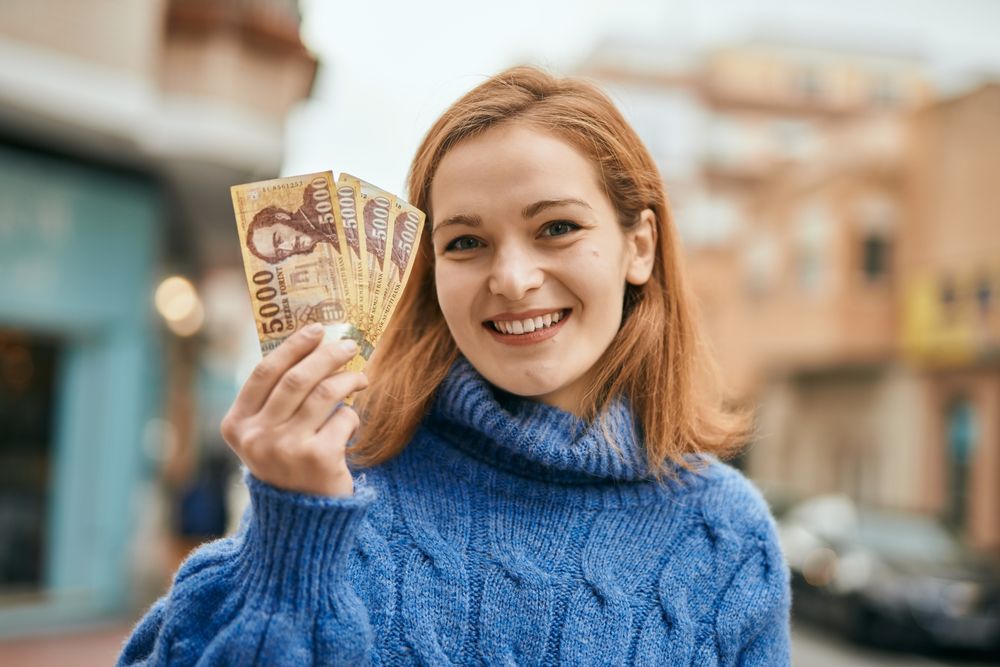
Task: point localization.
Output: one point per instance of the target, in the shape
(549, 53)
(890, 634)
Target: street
(813, 648)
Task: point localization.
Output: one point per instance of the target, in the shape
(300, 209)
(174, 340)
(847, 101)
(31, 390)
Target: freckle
(596, 253)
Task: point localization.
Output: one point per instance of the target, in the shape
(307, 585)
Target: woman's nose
(514, 273)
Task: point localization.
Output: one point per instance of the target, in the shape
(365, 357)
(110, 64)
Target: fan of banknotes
(314, 251)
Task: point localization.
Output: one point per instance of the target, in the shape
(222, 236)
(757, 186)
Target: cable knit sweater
(506, 533)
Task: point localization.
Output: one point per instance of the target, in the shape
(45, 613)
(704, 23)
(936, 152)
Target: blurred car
(890, 578)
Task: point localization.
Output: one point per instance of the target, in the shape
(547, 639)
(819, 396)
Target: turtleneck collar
(531, 438)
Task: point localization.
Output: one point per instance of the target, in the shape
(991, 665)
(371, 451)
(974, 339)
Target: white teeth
(528, 325)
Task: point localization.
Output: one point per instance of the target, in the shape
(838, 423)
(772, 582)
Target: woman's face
(530, 260)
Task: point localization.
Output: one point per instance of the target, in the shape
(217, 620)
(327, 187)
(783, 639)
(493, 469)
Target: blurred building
(872, 326)
(719, 121)
(809, 291)
(949, 279)
(122, 126)
(842, 239)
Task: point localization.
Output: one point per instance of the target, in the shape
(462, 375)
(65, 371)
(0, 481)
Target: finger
(315, 409)
(339, 428)
(298, 381)
(266, 374)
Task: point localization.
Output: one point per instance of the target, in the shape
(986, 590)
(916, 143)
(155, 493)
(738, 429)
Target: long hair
(657, 360)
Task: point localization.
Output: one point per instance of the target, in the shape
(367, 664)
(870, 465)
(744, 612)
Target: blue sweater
(507, 533)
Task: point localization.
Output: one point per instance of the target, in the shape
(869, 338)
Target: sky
(389, 68)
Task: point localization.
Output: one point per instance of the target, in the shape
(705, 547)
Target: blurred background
(832, 168)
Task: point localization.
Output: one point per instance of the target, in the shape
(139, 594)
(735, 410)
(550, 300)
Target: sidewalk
(98, 647)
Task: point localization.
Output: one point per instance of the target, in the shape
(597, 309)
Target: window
(760, 260)
(949, 298)
(961, 434)
(812, 232)
(27, 383)
(885, 91)
(731, 142)
(984, 294)
(793, 138)
(875, 257)
(876, 215)
(808, 83)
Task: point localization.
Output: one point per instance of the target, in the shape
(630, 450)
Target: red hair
(657, 360)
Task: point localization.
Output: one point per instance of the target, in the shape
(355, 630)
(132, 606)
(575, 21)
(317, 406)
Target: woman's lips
(536, 336)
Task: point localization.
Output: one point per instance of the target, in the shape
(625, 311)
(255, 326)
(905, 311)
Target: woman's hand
(280, 423)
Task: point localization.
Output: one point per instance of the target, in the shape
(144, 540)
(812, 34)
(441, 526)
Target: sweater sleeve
(753, 618)
(276, 593)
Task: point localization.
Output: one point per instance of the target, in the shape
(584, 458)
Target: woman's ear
(641, 241)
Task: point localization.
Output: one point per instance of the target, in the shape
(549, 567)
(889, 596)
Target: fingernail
(348, 345)
(313, 329)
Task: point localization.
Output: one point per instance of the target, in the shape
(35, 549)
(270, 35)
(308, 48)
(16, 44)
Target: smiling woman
(550, 160)
(537, 474)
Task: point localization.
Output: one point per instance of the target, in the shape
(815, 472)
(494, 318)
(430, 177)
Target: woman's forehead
(511, 168)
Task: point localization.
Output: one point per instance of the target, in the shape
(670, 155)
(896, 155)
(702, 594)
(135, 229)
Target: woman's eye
(561, 228)
(462, 243)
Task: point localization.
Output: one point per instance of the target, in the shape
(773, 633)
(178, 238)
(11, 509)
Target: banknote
(404, 236)
(348, 203)
(315, 251)
(292, 241)
(383, 230)
(375, 208)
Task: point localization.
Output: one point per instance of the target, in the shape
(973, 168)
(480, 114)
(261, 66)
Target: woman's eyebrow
(529, 211)
(460, 219)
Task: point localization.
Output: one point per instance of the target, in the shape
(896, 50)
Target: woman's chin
(544, 390)
(517, 382)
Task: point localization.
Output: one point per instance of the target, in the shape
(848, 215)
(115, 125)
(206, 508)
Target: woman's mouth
(528, 330)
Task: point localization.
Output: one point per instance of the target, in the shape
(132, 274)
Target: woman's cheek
(450, 292)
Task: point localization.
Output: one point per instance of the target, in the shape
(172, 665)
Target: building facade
(949, 268)
(901, 409)
(122, 126)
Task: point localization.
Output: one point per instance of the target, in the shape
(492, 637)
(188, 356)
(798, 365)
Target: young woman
(537, 476)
